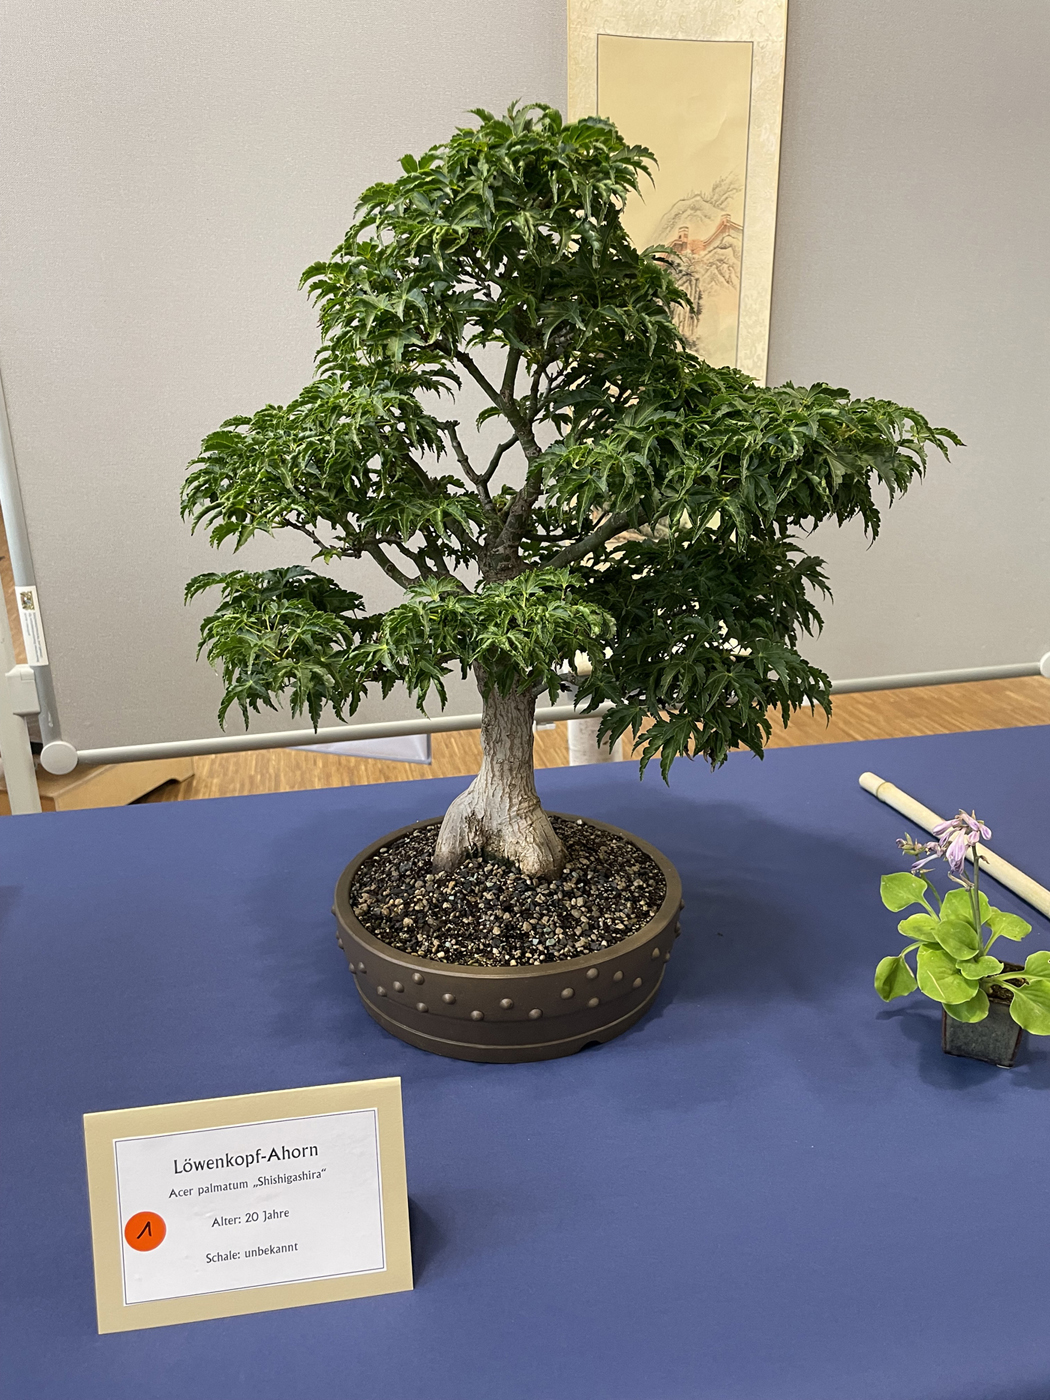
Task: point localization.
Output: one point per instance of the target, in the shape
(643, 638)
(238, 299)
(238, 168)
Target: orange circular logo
(145, 1230)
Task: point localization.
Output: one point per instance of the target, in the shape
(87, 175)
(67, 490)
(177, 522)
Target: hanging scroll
(699, 84)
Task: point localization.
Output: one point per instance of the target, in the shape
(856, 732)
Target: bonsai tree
(635, 522)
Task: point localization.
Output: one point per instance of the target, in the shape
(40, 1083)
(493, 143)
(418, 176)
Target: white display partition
(398, 748)
(169, 173)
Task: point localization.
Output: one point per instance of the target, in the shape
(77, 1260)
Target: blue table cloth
(774, 1186)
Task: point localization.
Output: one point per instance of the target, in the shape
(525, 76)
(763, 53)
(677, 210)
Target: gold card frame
(103, 1130)
(747, 227)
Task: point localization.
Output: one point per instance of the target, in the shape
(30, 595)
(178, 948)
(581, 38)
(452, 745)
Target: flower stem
(933, 890)
(975, 895)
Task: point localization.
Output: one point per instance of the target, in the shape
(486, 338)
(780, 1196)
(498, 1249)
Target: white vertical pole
(19, 769)
(584, 747)
(22, 562)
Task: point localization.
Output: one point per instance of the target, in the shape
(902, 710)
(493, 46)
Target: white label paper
(248, 1206)
(32, 626)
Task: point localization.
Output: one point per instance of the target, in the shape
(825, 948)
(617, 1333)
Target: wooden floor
(881, 714)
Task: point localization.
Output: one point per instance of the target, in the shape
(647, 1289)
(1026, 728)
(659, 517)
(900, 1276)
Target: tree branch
(304, 529)
(534, 391)
(510, 375)
(504, 553)
(468, 364)
(497, 457)
(430, 488)
(432, 550)
(373, 548)
(429, 560)
(449, 429)
(507, 406)
(578, 550)
(419, 557)
(480, 482)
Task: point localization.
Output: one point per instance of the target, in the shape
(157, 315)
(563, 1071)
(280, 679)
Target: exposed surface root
(523, 837)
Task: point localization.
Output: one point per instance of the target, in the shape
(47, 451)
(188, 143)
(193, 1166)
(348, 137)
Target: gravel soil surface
(487, 914)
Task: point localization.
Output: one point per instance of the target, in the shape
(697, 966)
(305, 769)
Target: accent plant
(954, 964)
(640, 510)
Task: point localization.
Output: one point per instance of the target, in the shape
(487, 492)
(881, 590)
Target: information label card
(238, 1205)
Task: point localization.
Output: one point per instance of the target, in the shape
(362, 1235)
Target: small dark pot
(995, 1039)
(506, 1015)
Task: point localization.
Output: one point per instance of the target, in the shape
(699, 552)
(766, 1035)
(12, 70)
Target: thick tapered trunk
(500, 813)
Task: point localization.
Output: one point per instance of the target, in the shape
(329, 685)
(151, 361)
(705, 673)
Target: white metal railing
(59, 756)
(62, 757)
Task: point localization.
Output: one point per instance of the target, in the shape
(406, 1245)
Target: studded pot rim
(672, 903)
(510, 1013)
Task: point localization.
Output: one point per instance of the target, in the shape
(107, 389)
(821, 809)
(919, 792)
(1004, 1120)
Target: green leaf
(1037, 964)
(1030, 1007)
(893, 978)
(958, 938)
(980, 967)
(901, 889)
(976, 1009)
(958, 904)
(924, 927)
(939, 976)
(1008, 925)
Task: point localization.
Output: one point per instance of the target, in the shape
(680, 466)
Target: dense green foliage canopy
(657, 502)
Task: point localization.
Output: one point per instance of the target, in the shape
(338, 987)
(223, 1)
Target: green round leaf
(976, 1009)
(1008, 925)
(1038, 964)
(958, 904)
(893, 978)
(957, 938)
(939, 976)
(901, 889)
(980, 967)
(921, 926)
(1030, 1007)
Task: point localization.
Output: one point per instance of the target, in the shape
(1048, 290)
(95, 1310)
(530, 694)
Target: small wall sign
(32, 625)
(237, 1205)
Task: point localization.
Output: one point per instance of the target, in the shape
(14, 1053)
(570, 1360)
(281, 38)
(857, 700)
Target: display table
(773, 1186)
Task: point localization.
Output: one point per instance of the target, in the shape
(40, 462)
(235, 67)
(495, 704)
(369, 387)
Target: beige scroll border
(999, 869)
(763, 24)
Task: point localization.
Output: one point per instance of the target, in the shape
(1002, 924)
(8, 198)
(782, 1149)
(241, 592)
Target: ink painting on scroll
(700, 84)
(689, 102)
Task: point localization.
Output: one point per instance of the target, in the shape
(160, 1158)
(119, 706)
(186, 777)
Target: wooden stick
(999, 869)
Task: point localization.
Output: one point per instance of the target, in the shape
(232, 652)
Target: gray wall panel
(169, 169)
(911, 264)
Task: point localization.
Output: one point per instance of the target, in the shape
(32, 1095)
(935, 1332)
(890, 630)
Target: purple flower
(957, 837)
(920, 865)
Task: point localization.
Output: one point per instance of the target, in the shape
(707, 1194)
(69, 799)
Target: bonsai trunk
(500, 812)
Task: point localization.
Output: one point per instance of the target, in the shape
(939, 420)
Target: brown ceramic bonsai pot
(506, 1015)
(995, 1039)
